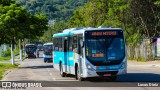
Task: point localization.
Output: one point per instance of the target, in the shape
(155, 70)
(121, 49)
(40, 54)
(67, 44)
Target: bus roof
(49, 43)
(81, 30)
(29, 44)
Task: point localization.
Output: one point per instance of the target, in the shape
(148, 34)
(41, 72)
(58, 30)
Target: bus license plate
(107, 75)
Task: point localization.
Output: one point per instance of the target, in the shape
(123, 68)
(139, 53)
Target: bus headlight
(89, 67)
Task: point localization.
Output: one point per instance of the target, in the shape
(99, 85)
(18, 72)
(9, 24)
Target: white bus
(47, 52)
(90, 52)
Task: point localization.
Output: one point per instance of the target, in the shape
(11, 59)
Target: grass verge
(23, 57)
(139, 59)
(6, 66)
(5, 58)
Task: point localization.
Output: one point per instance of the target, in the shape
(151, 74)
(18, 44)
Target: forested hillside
(54, 9)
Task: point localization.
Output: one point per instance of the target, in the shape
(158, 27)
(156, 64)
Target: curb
(146, 65)
(6, 73)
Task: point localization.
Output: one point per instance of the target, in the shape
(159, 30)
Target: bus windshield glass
(48, 49)
(104, 46)
(30, 48)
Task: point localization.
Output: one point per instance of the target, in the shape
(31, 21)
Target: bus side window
(74, 39)
(60, 44)
(80, 49)
(56, 48)
(63, 45)
(74, 45)
(70, 43)
(56, 44)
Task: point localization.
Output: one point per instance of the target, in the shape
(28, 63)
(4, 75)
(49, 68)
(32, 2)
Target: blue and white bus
(30, 50)
(47, 51)
(90, 52)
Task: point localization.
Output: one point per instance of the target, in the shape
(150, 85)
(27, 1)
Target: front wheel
(77, 72)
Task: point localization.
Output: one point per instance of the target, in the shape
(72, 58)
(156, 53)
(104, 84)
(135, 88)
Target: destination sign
(104, 33)
(98, 55)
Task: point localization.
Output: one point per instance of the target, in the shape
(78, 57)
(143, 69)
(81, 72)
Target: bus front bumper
(105, 73)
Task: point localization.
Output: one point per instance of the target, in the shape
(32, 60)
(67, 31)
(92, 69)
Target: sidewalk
(155, 63)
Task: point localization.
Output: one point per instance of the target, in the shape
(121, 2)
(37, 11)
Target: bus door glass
(80, 52)
(70, 53)
(65, 47)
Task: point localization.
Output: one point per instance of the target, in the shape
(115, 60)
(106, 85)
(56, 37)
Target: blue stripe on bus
(59, 56)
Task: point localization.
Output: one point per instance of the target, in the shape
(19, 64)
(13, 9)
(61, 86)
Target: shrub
(6, 53)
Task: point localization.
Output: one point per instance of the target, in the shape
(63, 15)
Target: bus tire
(113, 78)
(61, 71)
(77, 76)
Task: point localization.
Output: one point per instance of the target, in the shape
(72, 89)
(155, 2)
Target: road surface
(37, 70)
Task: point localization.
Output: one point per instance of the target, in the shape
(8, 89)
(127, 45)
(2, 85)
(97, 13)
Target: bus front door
(80, 52)
(65, 54)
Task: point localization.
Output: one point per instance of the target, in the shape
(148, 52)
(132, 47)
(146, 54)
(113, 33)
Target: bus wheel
(113, 78)
(61, 71)
(78, 77)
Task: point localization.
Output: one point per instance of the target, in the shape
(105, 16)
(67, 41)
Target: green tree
(139, 18)
(56, 27)
(16, 23)
(6, 2)
(92, 14)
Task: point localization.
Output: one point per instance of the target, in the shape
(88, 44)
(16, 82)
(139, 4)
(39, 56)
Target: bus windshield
(104, 49)
(30, 48)
(48, 49)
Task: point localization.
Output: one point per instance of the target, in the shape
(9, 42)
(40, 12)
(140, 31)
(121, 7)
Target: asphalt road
(37, 70)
